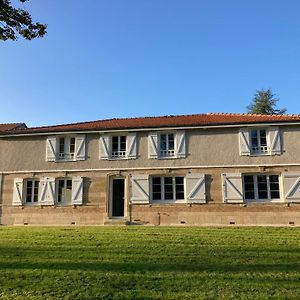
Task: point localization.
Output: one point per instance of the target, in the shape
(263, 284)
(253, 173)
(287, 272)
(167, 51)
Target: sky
(105, 59)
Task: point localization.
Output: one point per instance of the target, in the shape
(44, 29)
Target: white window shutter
(80, 147)
(77, 190)
(104, 147)
(51, 152)
(153, 145)
(131, 146)
(232, 188)
(47, 191)
(275, 142)
(139, 189)
(195, 188)
(180, 144)
(244, 139)
(18, 192)
(291, 186)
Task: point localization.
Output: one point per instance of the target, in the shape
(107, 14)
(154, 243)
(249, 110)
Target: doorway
(117, 201)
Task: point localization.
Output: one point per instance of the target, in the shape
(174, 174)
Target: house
(205, 169)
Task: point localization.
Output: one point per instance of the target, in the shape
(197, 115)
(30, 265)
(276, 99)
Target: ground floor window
(32, 190)
(261, 187)
(64, 192)
(167, 188)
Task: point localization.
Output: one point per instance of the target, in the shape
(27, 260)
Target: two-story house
(206, 169)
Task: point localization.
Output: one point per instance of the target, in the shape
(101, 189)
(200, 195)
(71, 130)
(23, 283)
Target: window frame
(25, 189)
(166, 153)
(67, 155)
(259, 150)
(163, 192)
(118, 154)
(256, 198)
(63, 201)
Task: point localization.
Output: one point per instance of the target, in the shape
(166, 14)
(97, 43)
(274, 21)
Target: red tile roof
(210, 119)
(12, 126)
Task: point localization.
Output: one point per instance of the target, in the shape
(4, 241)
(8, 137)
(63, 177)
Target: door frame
(110, 198)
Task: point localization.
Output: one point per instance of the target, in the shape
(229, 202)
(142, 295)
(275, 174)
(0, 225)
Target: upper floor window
(65, 148)
(260, 141)
(118, 146)
(167, 145)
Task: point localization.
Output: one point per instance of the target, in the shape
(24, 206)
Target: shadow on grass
(153, 267)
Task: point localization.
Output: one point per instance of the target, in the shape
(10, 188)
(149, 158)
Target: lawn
(149, 263)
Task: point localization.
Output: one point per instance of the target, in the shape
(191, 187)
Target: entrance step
(116, 222)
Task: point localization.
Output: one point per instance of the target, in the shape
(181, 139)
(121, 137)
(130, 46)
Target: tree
(264, 102)
(16, 22)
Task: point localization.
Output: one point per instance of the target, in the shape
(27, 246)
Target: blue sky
(114, 58)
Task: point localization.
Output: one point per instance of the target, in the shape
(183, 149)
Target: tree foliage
(264, 102)
(16, 22)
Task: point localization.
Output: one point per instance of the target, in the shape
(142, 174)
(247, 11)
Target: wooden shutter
(131, 146)
(47, 191)
(152, 145)
(18, 192)
(195, 188)
(180, 144)
(104, 147)
(80, 147)
(51, 151)
(291, 187)
(275, 142)
(77, 190)
(232, 188)
(139, 189)
(244, 139)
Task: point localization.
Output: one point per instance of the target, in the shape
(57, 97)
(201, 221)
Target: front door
(118, 197)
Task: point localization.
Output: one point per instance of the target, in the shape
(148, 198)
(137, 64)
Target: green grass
(149, 263)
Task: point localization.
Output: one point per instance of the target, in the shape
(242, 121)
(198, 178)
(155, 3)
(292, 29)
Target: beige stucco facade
(210, 151)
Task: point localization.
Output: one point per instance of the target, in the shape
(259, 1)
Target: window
(66, 148)
(64, 190)
(259, 141)
(32, 190)
(166, 143)
(167, 188)
(261, 187)
(118, 146)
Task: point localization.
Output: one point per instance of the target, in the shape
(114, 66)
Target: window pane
(171, 141)
(29, 191)
(249, 187)
(168, 188)
(156, 188)
(123, 143)
(61, 184)
(61, 145)
(263, 138)
(163, 142)
(179, 187)
(115, 143)
(274, 187)
(36, 191)
(72, 145)
(254, 141)
(262, 187)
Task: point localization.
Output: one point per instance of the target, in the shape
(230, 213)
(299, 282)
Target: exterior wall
(96, 203)
(209, 147)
